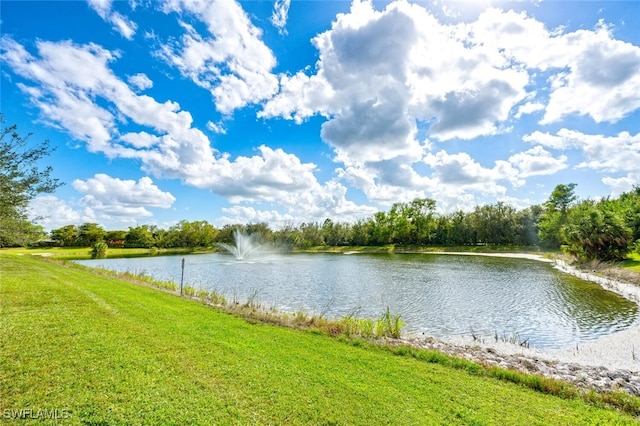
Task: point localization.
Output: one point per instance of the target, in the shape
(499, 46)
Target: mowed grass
(66, 253)
(632, 262)
(103, 351)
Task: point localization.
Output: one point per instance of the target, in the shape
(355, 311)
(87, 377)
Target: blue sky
(288, 112)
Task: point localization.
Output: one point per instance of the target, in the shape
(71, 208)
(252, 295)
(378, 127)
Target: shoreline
(609, 363)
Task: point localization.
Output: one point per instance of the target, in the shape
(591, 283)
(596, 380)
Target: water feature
(443, 296)
(245, 245)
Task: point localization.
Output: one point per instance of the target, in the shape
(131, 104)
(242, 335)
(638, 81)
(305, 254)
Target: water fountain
(244, 247)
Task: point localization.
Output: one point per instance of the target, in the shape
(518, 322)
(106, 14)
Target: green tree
(139, 236)
(555, 215)
(400, 226)
(629, 207)
(442, 232)
(462, 231)
(287, 236)
(381, 229)
(528, 229)
(495, 223)
(115, 238)
(596, 231)
(310, 235)
(90, 233)
(261, 232)
(195, 234)
(65, 236)
(20, 181)
(361, 232)
(225, 234)
(335, 234)
(562, 197)
(420, 214)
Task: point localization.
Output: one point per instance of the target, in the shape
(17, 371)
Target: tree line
(607, 229)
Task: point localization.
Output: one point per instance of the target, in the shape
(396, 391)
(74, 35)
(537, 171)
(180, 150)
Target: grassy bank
(632, 262)
(423, 249)
(97, 350)
(68, 253)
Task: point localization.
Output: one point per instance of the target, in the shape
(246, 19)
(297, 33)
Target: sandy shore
(620, 350)
(509, 255)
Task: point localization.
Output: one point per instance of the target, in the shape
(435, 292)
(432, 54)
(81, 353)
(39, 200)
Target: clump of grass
(535, 382)
(202, 294)
(332, 328)
(513, 339)
(379, 329)
(476, 337)
(300, 317)
(351, 324)
(251, 300)
(390, 325)
(166, 285)
(366, 328)
(327, 308)
(217, 298)
(620, 400)
(189, 291)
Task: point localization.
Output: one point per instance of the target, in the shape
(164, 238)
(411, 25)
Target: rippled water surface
(439, 295)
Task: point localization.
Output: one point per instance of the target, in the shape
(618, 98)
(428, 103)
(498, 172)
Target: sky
(296, 111)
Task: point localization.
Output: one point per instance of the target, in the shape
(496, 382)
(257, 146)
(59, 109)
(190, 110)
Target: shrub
(99, 249)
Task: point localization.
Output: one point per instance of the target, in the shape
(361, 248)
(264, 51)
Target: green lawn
(632, 262)
(66, 253)
(103, 351)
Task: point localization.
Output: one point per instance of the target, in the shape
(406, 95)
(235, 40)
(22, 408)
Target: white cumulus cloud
(537, 162)
(126, 27)
(107, 197)
(51, 212)
(619, 153)
(140, 81)
(617, 156)
(280, 15)
(231, 61)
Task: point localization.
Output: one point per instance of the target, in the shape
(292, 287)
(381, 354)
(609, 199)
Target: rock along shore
(607, 364)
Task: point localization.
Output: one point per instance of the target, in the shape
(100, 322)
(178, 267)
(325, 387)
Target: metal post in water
(182, 277)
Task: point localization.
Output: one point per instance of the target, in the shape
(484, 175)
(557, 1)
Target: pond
(437, 295)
